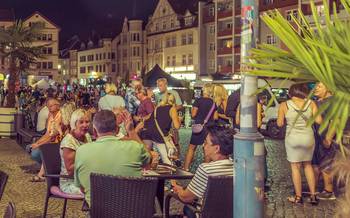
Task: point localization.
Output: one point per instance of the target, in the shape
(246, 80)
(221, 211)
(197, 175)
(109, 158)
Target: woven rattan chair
(3, 181)
(122, 197)
(217, 201)
(10, 211)
(50, 155)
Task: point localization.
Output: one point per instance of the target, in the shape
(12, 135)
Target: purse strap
(157, 125)
(209, 114)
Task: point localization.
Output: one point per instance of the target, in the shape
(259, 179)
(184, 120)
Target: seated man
(108, 155)
(53, 135)
(218, 146)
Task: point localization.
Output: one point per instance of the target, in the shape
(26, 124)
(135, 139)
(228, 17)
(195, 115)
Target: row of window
(44, 65)
(44, 37)
(186, 39)
(89, 69)
(101, 56)
(47, 50)
(186, 60)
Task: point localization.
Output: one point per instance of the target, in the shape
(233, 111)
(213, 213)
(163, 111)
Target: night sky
(82, 17)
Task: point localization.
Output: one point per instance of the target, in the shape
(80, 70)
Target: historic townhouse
(172, 35)
(130, 47)
(47, 66)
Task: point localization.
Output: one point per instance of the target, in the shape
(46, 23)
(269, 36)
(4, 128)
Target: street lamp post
(249, 151)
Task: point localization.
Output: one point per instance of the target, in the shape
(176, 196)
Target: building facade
(6, 20)
(47, 66)
(172, 38)
(130, 47)
(95, 61)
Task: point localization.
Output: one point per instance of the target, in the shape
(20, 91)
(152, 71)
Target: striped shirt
(198, 184)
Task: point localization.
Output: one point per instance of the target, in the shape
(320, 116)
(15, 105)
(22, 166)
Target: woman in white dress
(299, 140)
(78, 135)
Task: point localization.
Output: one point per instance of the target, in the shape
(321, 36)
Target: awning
(150, 79)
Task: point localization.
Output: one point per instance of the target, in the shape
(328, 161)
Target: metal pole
(249, 150)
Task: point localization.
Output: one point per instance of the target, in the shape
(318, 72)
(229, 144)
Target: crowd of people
(105, 129)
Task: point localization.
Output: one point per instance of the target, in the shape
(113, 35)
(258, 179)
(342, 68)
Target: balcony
(225, 32)
(208, 19)
(224, 14)
(237, 68)
(237, 49)
(225, 69)
(238, 10)
(237, 30)
(225, 51)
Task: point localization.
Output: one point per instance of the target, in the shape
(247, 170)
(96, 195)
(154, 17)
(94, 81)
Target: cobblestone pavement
(29, 197)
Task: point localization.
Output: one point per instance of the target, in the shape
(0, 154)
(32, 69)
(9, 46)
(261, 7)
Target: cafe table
(166, 172)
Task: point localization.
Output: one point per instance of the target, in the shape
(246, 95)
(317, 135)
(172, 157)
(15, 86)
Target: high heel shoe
(313, 200)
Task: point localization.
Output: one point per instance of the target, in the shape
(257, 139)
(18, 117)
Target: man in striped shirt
(218, 146)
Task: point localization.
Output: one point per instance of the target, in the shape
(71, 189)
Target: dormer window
(188, 21)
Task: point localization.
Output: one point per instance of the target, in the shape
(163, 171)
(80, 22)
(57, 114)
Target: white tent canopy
(44, 84)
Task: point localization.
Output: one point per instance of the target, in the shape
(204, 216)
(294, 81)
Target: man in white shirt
(43, 115)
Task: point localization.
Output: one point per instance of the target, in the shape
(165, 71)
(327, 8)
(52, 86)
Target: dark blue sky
(81, 17)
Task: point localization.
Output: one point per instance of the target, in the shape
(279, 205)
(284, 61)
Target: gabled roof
(47, 19)
(180, 6)
(6, 15)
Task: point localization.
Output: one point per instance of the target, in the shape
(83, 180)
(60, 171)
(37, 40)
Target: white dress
(299, 140)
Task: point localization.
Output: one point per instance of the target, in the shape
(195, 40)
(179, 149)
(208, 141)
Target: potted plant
(16, 45)
(318, 52)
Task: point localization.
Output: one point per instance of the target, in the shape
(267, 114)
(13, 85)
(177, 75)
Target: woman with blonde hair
(203, 112)
(220, 97)
(111, 99)
(79, 126)
(164, 115)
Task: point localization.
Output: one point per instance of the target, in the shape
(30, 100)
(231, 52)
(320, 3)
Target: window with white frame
(212, 29)
(212, 47)
(271, 39)
(168, 61)
(173, 41)
(291, 13)
(211, 11)
(184, 60)
(190, 59)
(183, 39)
(190, 38)
(173, 61)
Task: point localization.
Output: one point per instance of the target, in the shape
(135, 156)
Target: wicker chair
(10, 211)
(122, 197)
(3, 181)
(50, 155)
(217, 201)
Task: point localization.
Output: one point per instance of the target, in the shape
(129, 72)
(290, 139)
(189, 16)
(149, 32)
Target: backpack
(232, 104)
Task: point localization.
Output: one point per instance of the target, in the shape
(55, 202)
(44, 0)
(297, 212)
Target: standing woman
(299, 140)
(202, 107)
(220, 98)
(165, 114)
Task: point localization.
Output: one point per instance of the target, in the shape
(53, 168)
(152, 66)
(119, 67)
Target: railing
(225, 32)
(225, 50)
(224, 14)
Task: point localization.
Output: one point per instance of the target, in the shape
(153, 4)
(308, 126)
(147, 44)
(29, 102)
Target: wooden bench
(27, 136)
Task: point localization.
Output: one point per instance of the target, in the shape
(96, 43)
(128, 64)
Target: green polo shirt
(108, 155)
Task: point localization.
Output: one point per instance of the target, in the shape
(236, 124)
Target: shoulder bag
(197, 128)
(168, 141)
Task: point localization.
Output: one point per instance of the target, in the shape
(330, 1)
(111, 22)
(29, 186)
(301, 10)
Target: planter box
(7, 122)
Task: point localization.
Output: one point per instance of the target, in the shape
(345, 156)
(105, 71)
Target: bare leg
(317, 175)
(310, 176)
(41, 172)
(296, 177)
(189, 156)
(328, 182)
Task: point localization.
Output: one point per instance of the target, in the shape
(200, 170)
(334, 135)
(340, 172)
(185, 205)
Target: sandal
(37, 179)
(296, 199)
(313, 200)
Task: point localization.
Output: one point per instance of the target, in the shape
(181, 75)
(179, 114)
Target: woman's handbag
(168, 140)
(197, 128)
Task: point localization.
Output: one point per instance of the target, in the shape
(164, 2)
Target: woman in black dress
(200, 109)
(166, 116)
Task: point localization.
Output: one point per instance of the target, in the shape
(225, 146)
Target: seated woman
(78, 135)
(166, 115)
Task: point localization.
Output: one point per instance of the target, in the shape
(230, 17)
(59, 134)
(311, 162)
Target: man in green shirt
(108, 155)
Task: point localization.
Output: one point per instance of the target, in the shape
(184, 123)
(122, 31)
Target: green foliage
(318, 50)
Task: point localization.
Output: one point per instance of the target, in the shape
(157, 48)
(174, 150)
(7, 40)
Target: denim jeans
(188, 212)
(34, 153)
